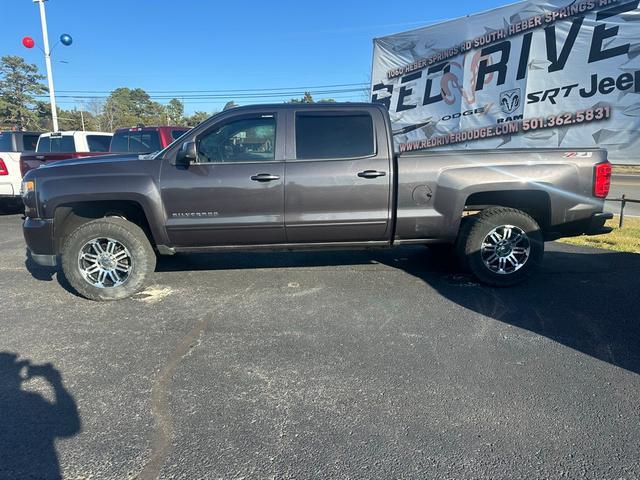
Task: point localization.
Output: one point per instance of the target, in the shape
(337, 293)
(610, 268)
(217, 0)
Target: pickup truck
(54, 146)
(143, 139)
(296, 176)
(12, 143)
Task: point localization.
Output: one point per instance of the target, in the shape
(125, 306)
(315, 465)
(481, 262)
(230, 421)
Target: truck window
(176, 134)
(139, 141)
(98, 143)
(6, 142)
(29, 142)
(63, 143)
(244, 140)
(334, 135)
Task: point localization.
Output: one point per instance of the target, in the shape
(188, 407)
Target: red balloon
(28, 42)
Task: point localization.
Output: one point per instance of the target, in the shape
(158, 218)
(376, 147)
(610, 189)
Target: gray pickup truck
(294, 176)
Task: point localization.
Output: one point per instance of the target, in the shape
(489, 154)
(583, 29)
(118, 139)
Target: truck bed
(434, 187)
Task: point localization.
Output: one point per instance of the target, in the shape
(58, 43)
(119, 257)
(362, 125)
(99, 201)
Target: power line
(207, 98)
(241, 90)
(219, 97)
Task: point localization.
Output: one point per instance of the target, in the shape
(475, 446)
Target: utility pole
(47, 60)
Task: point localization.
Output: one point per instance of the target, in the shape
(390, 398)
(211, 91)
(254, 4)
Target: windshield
(176, 134)
(140, 141)
(6, 145)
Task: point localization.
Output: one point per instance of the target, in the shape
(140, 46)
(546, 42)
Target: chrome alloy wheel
(105, 262)
(505, 249)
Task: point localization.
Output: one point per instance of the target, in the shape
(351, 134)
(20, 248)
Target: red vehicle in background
(66, 145)
(143, 139)
(71, 145)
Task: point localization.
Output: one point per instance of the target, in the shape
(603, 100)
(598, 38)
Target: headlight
(27, 187)
(28, 192)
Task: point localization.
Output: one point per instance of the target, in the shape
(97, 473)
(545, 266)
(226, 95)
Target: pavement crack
(160, 403)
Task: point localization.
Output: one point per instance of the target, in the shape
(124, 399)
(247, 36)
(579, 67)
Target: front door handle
(371, 174)
(265, 177)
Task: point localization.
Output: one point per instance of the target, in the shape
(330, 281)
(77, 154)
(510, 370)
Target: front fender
(57, 191)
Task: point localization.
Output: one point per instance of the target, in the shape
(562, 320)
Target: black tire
(465, 226)
(129, 235)
(474, 232)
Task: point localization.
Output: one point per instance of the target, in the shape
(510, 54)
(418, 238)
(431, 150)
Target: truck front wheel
(501, 246)
(107, 259)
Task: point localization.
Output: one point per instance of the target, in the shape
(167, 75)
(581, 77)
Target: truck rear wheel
(501, 246)
(107, 259)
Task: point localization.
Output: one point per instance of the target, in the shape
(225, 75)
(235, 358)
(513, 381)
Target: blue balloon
(66, 39)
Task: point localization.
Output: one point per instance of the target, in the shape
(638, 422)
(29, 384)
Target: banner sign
(553, 73)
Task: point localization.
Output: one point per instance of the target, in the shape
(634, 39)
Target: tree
(20, 82)
(196, 118)
(175, 111)
(75, 120)
(42, 116)
(308, 98)
(126, 107)
(95, 108)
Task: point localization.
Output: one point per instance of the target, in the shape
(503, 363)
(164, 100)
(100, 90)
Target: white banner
(555, 73)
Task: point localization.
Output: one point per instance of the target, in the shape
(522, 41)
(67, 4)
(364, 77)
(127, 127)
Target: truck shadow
(47, 274)
(10, 208)
(587, 300)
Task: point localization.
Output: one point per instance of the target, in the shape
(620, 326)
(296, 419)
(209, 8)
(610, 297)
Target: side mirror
(187, 154)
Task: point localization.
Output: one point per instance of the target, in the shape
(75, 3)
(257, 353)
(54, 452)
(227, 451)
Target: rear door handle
(265, 177)
(371, 174)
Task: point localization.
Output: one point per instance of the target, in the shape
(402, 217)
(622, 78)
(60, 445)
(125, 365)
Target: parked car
(12, 144)
(143, 139)
(54, 146)
(294, 176)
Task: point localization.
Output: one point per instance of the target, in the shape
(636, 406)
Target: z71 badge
(578, 154)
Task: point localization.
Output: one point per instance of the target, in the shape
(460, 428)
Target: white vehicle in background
(12, 144)
(67, 145)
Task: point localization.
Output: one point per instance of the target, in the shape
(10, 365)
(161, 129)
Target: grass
(626, 169)
(626, 239)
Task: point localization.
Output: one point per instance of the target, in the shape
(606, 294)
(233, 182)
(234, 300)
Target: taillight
(602, 180)
(3, 168)
(23, 167)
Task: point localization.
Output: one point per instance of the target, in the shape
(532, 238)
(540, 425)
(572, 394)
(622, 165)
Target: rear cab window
(98, 143)
(6, 142)
(136, 141)
(29, 142)
(334, 135)
(58, 143)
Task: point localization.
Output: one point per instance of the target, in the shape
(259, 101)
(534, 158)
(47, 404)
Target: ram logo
(510, 101)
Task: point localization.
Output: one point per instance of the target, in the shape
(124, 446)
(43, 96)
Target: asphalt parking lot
(385, 364)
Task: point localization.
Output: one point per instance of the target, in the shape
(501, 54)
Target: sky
(209, 47)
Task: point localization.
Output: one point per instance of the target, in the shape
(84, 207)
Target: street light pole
(47, 60)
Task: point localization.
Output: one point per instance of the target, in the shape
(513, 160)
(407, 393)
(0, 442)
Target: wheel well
(70, 216)
(535, 203)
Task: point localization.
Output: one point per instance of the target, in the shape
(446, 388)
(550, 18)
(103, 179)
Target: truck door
(338, 177)
(234, 193)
